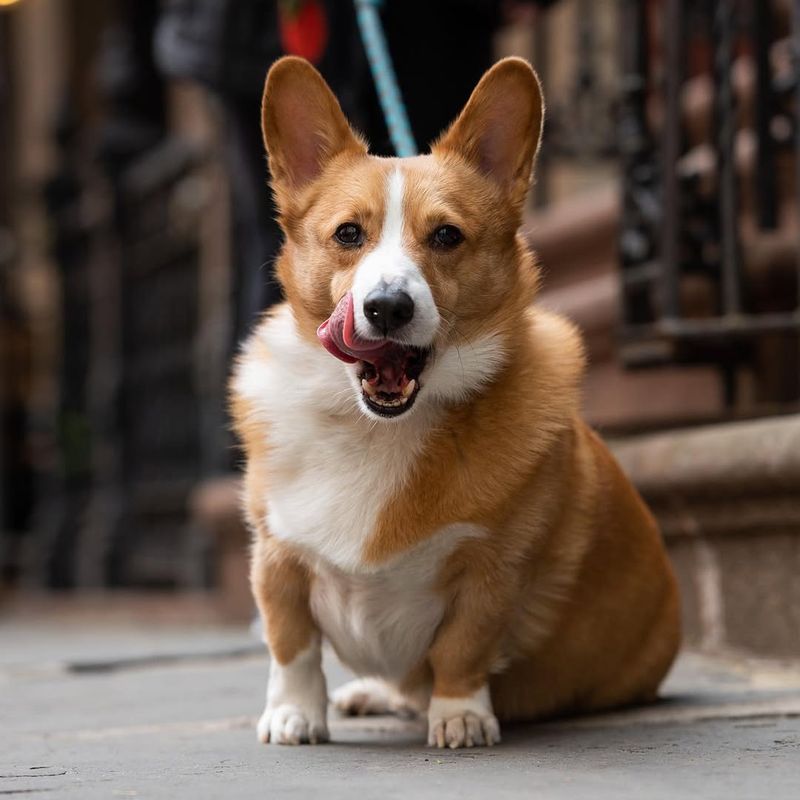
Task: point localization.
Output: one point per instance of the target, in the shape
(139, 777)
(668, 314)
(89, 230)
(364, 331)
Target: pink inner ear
(500, 144)
(302, 141)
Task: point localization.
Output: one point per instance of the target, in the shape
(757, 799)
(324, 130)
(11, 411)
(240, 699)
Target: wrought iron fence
(710, 151)
(134, 399)
(130, 409)
(159, 433)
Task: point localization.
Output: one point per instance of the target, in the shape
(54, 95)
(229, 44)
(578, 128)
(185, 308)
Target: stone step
(727, 498)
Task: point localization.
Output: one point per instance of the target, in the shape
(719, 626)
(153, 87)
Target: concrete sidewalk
(169, 712)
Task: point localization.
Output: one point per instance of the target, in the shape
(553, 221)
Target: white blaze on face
(389, 263)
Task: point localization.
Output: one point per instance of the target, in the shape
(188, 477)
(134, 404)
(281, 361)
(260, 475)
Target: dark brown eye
(447, 237)
(349, 234)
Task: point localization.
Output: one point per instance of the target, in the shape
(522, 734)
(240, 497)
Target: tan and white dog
(421, 489)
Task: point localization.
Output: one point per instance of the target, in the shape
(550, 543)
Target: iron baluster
(673, 142)
(641, 208)
(796, 54)
(766, 189)
(725, 117)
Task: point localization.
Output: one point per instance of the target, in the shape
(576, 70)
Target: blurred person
(227, 45)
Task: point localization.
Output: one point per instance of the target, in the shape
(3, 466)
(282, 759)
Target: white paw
(467, 730)
(463, 721)
(370, 696)
(289, 724)
(297, 700)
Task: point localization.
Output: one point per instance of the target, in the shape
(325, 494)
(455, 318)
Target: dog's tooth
(409, 388)
(367, 388)
(392, 402)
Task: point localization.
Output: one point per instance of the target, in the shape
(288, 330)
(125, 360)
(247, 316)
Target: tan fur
(568, 603)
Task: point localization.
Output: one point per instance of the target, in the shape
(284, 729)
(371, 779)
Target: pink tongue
(339, 337)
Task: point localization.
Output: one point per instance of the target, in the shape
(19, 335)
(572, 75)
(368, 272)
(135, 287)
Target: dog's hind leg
(372, 696)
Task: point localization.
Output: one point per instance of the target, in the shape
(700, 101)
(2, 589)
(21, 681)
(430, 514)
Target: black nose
(388, 309)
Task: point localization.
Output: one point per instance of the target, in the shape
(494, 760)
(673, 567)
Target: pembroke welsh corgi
(421, 489)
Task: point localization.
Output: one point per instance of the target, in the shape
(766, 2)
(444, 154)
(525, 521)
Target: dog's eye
(349, 234)
(447, 236)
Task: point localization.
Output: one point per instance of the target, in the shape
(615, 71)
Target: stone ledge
(721, 479)
(727, 498)
(759, 457)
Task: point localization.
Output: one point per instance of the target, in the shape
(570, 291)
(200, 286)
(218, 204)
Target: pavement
(168, 711)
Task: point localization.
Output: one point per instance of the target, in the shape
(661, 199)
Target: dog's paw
(370, 696)
(289, 724)
(462, 722)
(297, 700)
(467, 730)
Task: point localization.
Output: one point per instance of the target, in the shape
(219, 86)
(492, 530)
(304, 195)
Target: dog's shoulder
(556, 353)
(541, 389)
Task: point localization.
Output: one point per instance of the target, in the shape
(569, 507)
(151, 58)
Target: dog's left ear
(500, 128)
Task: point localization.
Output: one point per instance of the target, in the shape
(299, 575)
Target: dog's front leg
(297, 697)
(460, 712)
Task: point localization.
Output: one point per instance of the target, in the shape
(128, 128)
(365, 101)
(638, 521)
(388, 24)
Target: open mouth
(388, 371)
(390, 381)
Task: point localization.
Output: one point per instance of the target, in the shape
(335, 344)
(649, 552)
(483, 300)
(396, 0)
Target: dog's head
(410, 271)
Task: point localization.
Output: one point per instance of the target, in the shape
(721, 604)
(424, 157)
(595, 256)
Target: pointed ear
(500, 128)
(303, 124)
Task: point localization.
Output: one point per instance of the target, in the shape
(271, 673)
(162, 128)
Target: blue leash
(380, 63)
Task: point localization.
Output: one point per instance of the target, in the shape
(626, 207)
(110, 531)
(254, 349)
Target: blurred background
(136, 242)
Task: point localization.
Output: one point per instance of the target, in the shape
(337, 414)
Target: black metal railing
(159, 433)
(696, 203)
(128, 239)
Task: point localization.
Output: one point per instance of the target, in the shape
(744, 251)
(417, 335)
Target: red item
(304, 28)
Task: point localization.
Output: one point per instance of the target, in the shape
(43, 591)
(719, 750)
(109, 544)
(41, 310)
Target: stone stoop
(727, 498)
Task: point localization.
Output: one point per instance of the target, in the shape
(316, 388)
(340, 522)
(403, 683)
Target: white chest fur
(332, 488)
(381, 623)
(332, 470)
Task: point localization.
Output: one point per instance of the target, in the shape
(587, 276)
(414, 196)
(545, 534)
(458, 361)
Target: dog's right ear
(303, 125)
